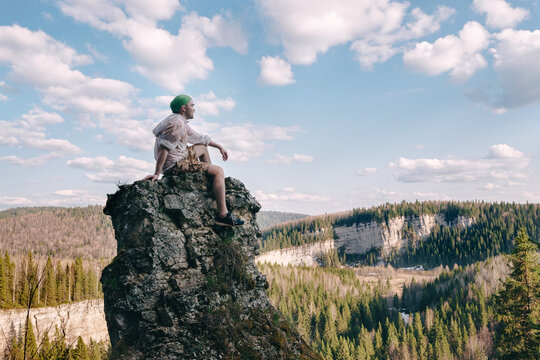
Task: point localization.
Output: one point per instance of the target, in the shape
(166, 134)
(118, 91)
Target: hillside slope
(67, 233)
(405, 234)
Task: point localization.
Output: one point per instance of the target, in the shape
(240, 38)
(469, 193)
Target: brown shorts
(191, 163)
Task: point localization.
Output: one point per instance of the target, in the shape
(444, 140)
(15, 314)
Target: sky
(323, 106)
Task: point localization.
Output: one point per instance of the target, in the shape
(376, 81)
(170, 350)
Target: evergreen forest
(27, 283)
(466, 313)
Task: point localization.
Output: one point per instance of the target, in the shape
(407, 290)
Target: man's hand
(151, 177)
(224, 153)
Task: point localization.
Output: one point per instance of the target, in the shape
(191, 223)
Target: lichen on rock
(182, 287)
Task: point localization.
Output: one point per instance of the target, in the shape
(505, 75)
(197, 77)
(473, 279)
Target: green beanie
(178, 101)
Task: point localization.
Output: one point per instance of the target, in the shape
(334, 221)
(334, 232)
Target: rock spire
(182, 287)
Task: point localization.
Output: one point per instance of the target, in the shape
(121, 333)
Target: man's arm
(159, 165)
(223, 152)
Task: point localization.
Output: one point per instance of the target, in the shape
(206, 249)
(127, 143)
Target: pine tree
(343, 352)
(392, 341)
(518, 304)
(378, 348)
(45, 351)
(30, 345)
(80, 352)
(49, 287)
(28, 282)
(367, 343)
(10, 280)
(13, 350)
(78, 280)
(3, 283)
(60, 291)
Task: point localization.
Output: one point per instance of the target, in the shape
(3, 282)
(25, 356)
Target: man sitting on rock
(171, 149)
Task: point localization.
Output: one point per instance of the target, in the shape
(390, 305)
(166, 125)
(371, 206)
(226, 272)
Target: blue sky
(323, 105)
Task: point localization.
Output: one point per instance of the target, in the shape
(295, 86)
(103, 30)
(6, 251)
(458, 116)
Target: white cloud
(96, 54)
(29, 132)
(102, 169)
(307, 28)
(303, 158)
(491, 186)
(310, 27)
(369, 53)
(275, 71)
(459, 55)
(247, 141)
(384, 195)
(3, 97)
(515, 53)
(38, 118)
(209, 104)
(287, 160)
(37, 59)
(431, 196)
(514, 183)
(501, 162)
(167, 59)
(15, 201)
(70, 193)
(535, 197)
(56, 145)
(500, 13)
(30, 162)
(379, 47)
(503, 151)
(92, 164)
(289, 195)
(366, 171)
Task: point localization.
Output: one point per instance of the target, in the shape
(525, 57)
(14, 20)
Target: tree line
(53, 283)
(23, 345)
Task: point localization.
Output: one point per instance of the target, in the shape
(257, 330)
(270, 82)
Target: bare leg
(218, 186)
(201, 151)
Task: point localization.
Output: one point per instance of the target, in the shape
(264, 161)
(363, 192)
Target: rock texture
(182, 287)
(304, 255)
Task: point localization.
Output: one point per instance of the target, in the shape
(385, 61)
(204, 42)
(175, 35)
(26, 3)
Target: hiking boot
(229, 220)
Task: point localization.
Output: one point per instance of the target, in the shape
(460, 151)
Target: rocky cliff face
(303, 255)
(182, 287)
(393, 235)
(85, 319)
(357, 239)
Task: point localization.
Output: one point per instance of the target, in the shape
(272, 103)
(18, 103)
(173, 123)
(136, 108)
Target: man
(171, 149)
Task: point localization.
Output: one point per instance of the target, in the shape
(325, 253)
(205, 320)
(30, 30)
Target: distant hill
(59, 232)
(25, 211)
(78, 231)
(266, 219)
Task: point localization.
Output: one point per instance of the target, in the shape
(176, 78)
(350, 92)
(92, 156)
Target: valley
(397, 281)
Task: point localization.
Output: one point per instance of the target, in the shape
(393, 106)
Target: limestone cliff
(182, 287)
(83, 318)
(395, 234)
